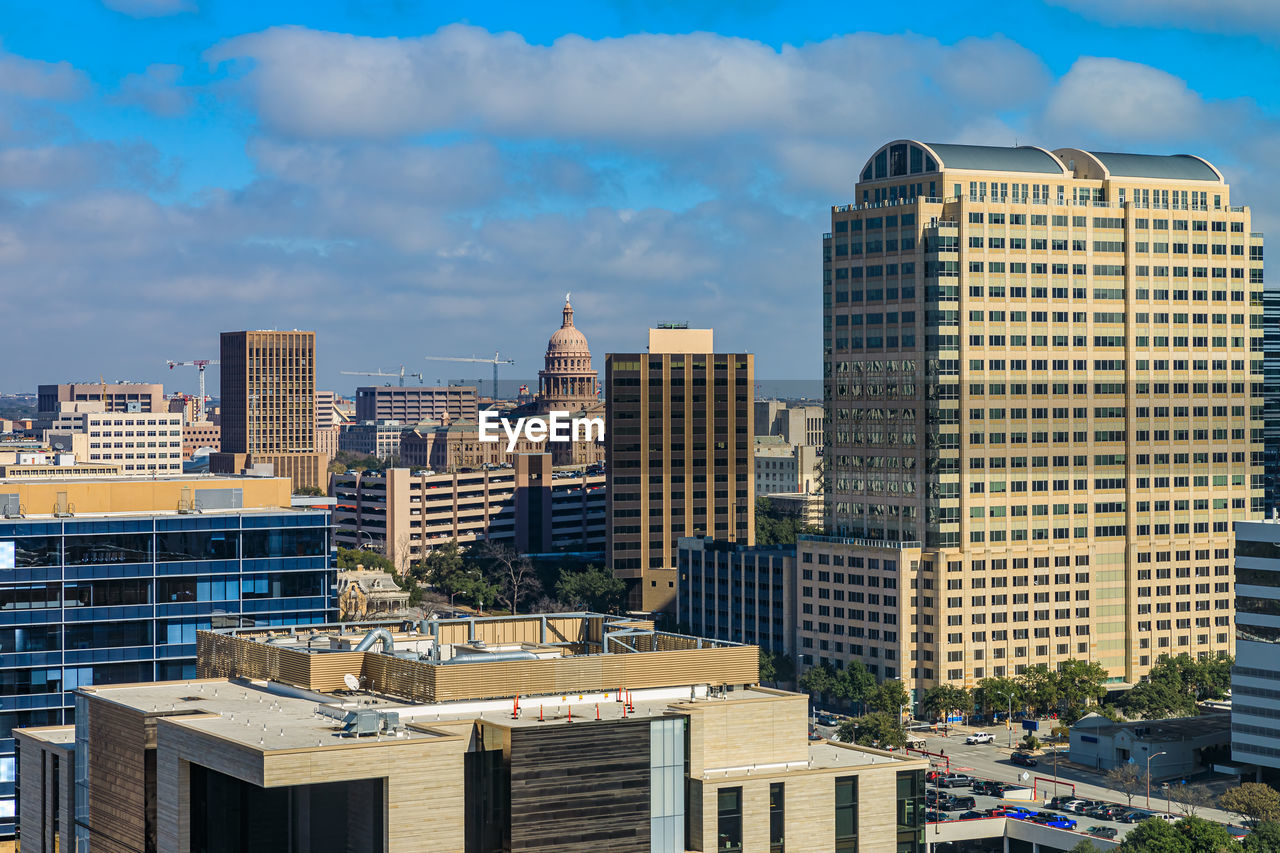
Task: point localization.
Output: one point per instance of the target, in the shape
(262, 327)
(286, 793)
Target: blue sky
(427, 177)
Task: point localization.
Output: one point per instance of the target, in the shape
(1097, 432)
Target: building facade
(107, 580)
(741, 593)
(796, 423)
(268, 405)
(1271, 404)
(457, 447)
(1255, 680)
(567, 381)
(573, 765)
(444, 403)
(142, 444)
(784, 467)
(115, 397)
(372, 438)
(678, 454)
(531, 506)
(1043, 392)
(200, 434)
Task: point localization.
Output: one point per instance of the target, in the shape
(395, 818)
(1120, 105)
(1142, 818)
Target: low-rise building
(796, 423)
(445, 403)
(372, 438)
(369, 594)
(783, 467)
(565, 732)
(732, 591)
(198, 435)
(1176, 747)
(136, 397)
(405, 513)
(143, 444)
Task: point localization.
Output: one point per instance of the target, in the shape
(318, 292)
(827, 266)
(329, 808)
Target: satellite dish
(351, 681)
(57, 445)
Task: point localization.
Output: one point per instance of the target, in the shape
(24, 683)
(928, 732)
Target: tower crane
(401, 375)
(495, 361)
(199, 364)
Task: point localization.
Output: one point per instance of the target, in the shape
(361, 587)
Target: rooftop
(991, 158)
(1178, 728)
(1179, 167)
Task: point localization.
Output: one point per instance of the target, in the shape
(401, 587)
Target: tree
(1252, 800)
(877, 729)
(939, 700)
(510, 572)
(1154, 836)
(1039, 688)
(854, 683)
(349, 558)
(454, 574)
(1128, 779)
(1030, 742)
(818, 681)
(1205, 836)
(775, 667)
(1265, 838)
(592, 588)
(994, 694)
(1175, 684)
(1085, 846)
(1080, 684)
(309, 492)
(1189, 799)
(775, 527)
(440, 563)
(889, 696)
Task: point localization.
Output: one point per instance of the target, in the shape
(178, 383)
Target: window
(777, 818)
(846, 815)
(910, 811)
(729, 820)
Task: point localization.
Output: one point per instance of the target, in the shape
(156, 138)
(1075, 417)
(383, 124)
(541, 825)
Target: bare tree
(400, 555)
(513, 574)
(1190, 798)
(1128, 779)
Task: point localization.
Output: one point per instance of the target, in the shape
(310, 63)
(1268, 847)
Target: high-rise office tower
(268, 397)
(678, 453)
(1271, 406)
(1043, 390)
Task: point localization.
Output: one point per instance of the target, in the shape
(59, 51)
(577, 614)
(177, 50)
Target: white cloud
(640, 89)
(1251, 17)
(157, 90)
(33, 78)
(150, 8)
(1124, 99)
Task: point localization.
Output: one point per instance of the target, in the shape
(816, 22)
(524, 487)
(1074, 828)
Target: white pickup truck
(980, 737)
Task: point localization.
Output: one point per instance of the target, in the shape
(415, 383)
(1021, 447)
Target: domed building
(567, 382)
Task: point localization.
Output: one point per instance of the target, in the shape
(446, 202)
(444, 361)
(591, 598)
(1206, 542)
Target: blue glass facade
(117, 600)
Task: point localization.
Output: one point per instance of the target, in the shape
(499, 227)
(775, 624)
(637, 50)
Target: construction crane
(495, 361)
(401, 375)
(199, 364)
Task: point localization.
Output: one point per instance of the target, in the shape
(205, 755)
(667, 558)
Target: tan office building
(678, 444)
(1044, 408)
(412, 405)
(115, 397)
(564, 732)
(406, 514)
(268, 397)
(141, 444)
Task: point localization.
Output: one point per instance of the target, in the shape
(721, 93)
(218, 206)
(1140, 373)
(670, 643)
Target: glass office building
(118, 598)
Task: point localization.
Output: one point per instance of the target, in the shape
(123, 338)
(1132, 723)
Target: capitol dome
(567, 380)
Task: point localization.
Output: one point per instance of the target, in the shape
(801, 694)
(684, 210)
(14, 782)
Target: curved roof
(1179, 167)
(991, 158)
(567, 340)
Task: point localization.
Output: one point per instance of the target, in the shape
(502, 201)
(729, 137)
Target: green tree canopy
(942, 698)
(877, 729)
(775, 527)
(854, 683)
(1175, 684)
(1039, 688)
(592, 588)
(775, 667)
(889, 696)
(1154, 836)
(1265, 838)
(1252, 800)
(349, 558)
(818, 680)
(993, 694)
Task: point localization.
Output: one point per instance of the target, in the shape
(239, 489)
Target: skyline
(406, 182)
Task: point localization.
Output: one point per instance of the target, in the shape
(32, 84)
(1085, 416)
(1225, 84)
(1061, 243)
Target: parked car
(1167, 818)
(1134, 816)
(1080, 806)
(1057, 803)
(934, 817)
(1018, 813)
(1103, 831)
(958, 803)
(972, 815)
(1023, 759)
(989, 789)
(980, 737)
(1116, 812)
(1102, 812)
(1059, 822)
(955, 780)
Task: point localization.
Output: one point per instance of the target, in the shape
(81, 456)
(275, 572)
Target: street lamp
(1149, 757)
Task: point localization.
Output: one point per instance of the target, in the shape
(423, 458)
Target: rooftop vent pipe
(388, 642)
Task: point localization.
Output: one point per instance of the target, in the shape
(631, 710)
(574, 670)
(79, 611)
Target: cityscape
(638, 427)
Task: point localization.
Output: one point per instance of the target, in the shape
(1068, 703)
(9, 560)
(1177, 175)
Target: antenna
(351, 681)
